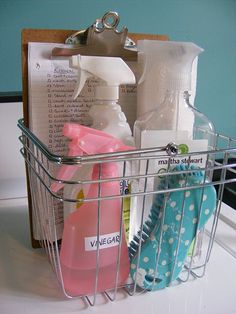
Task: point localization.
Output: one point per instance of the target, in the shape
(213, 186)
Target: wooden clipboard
(51, 36)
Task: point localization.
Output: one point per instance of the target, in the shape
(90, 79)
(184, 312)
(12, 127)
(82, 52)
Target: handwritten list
(51, 86)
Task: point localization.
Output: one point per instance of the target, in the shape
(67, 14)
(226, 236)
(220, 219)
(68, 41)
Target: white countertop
(28, 284)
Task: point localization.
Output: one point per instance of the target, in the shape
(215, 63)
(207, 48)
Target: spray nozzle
(87, 141)
(112, 71)
(172, 61)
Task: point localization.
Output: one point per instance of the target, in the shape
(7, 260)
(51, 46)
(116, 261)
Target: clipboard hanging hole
(110, 20)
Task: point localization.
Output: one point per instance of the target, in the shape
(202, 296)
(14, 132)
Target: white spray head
(113, 72)
(170, 62)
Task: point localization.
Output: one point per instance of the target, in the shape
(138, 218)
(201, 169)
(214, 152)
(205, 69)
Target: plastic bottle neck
(106, 102)
(174, 113)
(105, 92)
(176, 97)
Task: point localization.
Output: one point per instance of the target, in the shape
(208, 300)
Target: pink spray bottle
(90, 251)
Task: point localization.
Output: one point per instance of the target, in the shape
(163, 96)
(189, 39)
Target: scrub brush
(184, 213)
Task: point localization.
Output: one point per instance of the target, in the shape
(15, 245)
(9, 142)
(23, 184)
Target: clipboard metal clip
(102, 38)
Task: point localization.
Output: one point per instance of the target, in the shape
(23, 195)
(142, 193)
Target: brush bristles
(145, 232)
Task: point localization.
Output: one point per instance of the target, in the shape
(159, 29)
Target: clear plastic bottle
(175, 114)
(106, 112)
(174, 119)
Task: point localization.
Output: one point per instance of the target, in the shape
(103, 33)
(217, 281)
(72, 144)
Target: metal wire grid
(46, 204)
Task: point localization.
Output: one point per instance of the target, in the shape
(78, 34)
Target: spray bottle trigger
(83, 75)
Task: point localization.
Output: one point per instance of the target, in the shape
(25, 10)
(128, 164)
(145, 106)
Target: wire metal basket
(140, 190)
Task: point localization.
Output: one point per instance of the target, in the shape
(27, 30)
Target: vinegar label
(105, 241)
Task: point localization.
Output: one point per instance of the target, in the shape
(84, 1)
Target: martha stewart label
(105, 241)
(155, 138)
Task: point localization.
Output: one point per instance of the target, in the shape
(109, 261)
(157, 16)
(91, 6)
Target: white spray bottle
(106, 114)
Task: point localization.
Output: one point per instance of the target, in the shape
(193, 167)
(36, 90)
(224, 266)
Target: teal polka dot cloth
(173, 223)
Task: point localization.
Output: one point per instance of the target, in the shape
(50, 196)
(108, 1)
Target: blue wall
(209, 23)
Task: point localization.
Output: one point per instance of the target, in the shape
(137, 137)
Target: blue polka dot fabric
(173, 223)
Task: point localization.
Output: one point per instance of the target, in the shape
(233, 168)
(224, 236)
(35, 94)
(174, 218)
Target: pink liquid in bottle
(78, 254)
